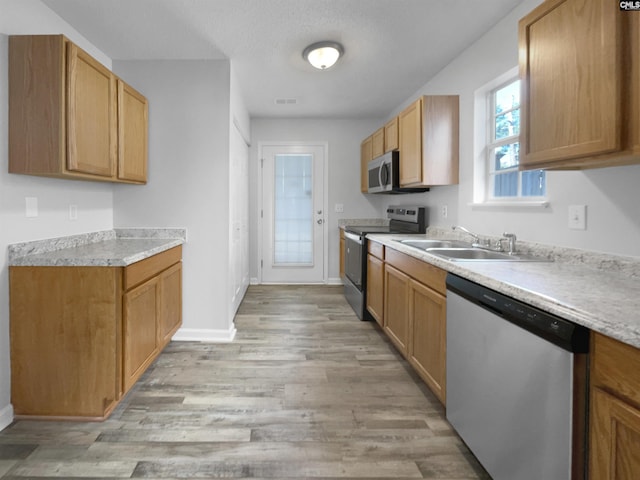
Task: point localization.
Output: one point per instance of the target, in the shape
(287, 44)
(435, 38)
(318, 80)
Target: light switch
(578, 217)
(31, 207)
(73, 212)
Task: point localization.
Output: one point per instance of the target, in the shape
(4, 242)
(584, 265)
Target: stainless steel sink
(425, 244)
(479, 254)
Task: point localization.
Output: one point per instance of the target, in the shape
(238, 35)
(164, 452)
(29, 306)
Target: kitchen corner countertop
(604, 299)
(112, 248)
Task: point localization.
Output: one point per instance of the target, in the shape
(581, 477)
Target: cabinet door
(132, 134)
(375, 288)
(410, 144)
(570, 66)
(366, 154)
(170, 303)
(427, 347)
(140, 334)
(377, 147)
(615, 439)
(391, 135)
(396, 307)
(91, 115)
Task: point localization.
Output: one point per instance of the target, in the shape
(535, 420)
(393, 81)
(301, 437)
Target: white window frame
(484, 143)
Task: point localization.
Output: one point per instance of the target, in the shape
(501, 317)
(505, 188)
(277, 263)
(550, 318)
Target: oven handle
(355, 238)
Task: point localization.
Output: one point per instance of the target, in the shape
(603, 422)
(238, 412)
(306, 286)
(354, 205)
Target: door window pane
(293, 210)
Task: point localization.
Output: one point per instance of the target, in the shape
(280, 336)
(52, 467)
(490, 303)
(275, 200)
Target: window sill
(513, 205)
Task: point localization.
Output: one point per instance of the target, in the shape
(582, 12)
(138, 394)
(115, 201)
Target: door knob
(320, 221)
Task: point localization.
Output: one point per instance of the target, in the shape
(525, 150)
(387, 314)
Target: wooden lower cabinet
(614, 446)
(616, 438)
(140, 334)
(396, 307)
(375, 281)
(82, 336)
(427, 347)
(64, 328)
(415, 320)
(170, 303)
(375, 288)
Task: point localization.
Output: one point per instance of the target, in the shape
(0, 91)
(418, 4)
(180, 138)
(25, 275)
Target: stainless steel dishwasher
(516, 384)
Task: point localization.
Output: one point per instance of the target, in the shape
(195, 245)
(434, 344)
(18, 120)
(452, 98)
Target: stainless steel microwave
(384, 175)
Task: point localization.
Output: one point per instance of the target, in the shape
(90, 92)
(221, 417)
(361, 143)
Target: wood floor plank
(305, 391)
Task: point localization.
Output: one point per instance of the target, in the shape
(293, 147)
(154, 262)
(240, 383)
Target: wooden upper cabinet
(64, 114)
(429, 141)
(580, 89)
(410, 144)
(366, 155)
(391, 135)
(91, 115)
(133, 114)
(377, 146)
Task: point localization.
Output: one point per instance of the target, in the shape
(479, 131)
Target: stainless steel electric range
(403, 219)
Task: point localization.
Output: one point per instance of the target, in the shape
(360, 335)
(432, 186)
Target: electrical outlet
(339, 208)
(578, 217)
(445, 211)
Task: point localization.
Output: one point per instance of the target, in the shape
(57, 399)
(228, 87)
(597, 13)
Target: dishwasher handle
(561, 332)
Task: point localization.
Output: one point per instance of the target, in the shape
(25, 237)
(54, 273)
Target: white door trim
(325, 248)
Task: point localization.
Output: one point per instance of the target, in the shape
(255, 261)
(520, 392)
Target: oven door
(353, 258)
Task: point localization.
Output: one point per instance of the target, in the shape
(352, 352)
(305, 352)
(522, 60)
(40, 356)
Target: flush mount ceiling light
(323, 55)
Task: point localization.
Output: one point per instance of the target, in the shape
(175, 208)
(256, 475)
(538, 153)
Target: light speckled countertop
(602, 295)
(111, 248)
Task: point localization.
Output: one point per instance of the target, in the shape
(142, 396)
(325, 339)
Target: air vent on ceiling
(286, 101)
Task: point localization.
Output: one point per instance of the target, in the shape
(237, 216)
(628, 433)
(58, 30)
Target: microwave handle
(383, 174)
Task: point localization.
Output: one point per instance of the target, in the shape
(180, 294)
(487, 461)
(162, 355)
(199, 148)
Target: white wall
(611, 194)
(344, 137)
(94, 200)
(188, 183)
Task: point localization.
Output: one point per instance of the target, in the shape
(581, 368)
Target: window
(503, 179)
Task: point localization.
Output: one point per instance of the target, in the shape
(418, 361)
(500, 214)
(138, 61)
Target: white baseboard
(334, 281)
(254, 281)
(6, 417)
(205, 335)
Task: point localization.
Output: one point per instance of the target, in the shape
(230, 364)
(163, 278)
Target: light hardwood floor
(306, 390)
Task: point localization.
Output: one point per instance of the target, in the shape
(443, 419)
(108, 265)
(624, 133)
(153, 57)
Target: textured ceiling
(392, 47)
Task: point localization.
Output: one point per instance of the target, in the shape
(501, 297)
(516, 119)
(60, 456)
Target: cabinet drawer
(423, 272)
(138, 272)
(376, 249)
(615, 367)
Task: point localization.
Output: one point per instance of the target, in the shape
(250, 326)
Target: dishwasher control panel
(559, 331)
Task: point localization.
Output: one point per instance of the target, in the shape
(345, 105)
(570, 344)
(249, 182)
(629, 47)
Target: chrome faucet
(511, 237)
(475, 237)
